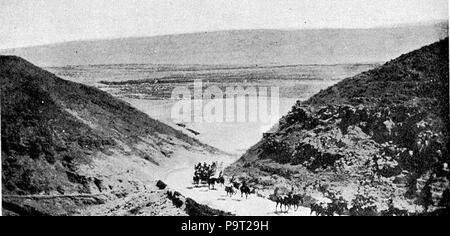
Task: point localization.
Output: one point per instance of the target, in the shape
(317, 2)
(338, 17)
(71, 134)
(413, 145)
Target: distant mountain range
(249, 47)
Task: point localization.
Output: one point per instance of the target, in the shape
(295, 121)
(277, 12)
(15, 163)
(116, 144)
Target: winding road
(181, 180)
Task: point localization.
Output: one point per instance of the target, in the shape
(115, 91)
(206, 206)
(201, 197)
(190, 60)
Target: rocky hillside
(66, 146)
(379, 136)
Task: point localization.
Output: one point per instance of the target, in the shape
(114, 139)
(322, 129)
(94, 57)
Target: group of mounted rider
(207, 174)
(210, 175)
(287, 200)
(234, 186)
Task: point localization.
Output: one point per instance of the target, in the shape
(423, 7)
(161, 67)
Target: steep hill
(247, 47)
(66, 145)
(376, 137)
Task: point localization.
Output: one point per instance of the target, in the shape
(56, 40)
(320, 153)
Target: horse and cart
(208, 174)
(212, 174)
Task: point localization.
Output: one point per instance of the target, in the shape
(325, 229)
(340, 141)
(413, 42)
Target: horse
(279, 199)
(245, 190)
(295, 201)
(230, 190)
(196, 180)
(204, 177)
(212, 182)
(221, 180)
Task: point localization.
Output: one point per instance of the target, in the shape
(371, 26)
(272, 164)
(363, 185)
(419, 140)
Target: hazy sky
(34, 22)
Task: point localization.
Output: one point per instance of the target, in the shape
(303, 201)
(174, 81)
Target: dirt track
(181, 180)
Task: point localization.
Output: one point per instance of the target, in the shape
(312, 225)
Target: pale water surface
(153, 97)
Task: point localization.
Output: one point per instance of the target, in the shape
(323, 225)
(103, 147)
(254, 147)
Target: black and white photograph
(224, 108)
